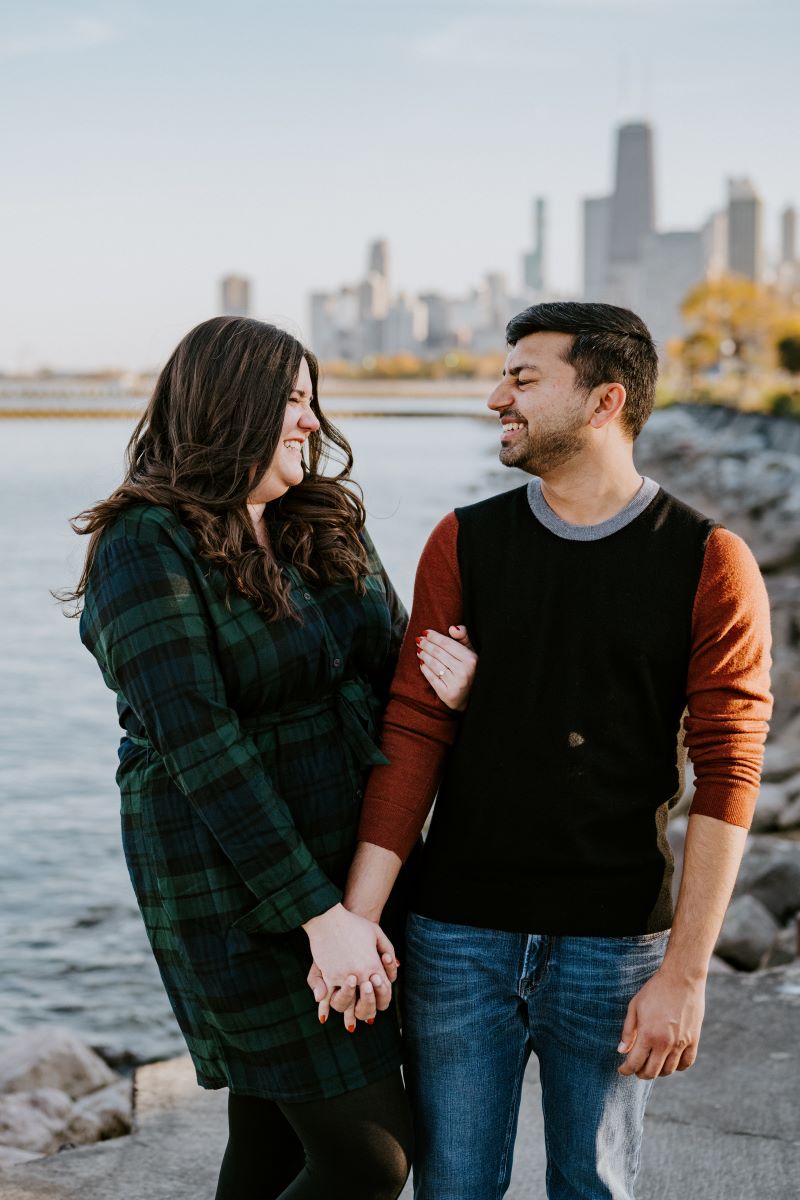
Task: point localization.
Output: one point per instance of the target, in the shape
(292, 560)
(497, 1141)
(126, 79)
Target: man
(601, 608)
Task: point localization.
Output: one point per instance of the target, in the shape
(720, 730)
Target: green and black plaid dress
(245, 753)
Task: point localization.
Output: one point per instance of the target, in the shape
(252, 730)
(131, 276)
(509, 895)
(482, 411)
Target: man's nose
(499, 398)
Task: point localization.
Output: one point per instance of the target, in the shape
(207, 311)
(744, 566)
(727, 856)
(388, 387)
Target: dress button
(337, 662)
(359, 794)
(306, 595)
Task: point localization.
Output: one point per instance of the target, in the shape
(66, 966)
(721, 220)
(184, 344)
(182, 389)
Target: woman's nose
(309, 421)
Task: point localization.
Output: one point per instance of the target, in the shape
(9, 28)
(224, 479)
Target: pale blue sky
(148, 148)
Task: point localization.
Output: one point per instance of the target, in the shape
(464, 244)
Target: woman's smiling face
(286, 468)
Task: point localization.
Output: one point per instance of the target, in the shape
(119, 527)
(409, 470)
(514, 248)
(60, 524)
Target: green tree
(789, 353)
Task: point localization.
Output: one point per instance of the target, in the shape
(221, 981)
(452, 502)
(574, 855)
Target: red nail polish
(426, 632)
(418, 641)
(370, 1020)
(323, 1019)
(351, 1028)
(397, 962)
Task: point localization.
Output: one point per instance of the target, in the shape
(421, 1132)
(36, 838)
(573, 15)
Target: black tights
(357, 1146)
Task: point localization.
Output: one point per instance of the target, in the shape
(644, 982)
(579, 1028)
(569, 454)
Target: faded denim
(477, 1002)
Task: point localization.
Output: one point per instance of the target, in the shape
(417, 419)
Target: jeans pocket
(641, 939)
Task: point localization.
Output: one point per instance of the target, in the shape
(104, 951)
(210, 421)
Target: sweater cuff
(733, 804)
(391, 827)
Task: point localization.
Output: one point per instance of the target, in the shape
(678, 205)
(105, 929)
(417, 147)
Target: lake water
(72, 946)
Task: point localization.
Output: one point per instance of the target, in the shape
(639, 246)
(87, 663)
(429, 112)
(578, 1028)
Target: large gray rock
(52, 1058)
(10, 1156)
(789, 817)
(772, 800)
(781, 759)
(35, 1121)
(770, 872)
(784, 947)
(747, 933)
(102, 1115)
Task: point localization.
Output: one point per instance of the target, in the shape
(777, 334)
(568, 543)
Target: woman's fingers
(443, 651)
(350, 1018)
(324, 1007)
(448, 665)
(460, 634)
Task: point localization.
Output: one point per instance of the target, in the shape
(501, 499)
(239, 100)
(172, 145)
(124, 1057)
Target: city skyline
(628, 260)
(154, 152)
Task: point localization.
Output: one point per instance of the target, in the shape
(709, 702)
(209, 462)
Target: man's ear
(609, 400)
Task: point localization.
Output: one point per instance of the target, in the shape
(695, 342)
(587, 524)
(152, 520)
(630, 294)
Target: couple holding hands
(286, 731)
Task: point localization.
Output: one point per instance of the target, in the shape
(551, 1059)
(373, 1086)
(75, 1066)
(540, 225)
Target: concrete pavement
(728, 1129)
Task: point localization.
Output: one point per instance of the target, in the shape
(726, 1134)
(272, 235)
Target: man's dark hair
(609, 345)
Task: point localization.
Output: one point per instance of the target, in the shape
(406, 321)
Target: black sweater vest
(552, 812)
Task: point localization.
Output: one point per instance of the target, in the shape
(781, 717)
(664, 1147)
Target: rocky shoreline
(57, 1093)
(743, 469)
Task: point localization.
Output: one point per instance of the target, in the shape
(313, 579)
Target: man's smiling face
(544, 416)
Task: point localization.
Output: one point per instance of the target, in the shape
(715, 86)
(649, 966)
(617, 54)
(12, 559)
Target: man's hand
(361, 1004)
(662, 1028)
(356, 963)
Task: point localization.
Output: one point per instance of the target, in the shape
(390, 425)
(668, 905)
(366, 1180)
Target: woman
(238, 609)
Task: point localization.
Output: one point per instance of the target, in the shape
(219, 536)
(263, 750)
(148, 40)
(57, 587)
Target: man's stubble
(544, 450)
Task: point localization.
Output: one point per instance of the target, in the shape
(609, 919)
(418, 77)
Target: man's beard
(544, 451)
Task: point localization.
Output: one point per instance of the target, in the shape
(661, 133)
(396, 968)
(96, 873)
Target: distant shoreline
(354, 389)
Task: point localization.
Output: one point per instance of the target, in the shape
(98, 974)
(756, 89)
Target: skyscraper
(633, 202)
(596, 223)
(789, 235)
(534, 260)
(378, 258)
(715, 244)
(672, 264)
(744, 229)
(235, 296)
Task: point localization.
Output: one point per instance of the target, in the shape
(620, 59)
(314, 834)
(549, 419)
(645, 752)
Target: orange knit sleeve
(729, 700)
(418, 727)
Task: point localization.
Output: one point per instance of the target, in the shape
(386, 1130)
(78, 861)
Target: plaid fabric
(246, 749)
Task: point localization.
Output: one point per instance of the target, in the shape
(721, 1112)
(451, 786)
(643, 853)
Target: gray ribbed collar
(589, 533)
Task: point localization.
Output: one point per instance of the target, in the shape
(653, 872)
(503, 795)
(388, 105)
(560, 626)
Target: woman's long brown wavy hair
(212, 427)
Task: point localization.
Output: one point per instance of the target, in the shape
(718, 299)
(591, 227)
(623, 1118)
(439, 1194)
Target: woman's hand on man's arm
(448, 664)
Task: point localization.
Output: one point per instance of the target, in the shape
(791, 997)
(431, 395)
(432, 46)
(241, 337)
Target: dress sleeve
(155, 642)
(418, 727)
(728, 688)
(397, 612)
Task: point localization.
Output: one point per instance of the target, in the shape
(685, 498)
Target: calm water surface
(72, 946)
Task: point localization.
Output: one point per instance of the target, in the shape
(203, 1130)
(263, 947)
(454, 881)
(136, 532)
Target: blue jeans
(476, 1003)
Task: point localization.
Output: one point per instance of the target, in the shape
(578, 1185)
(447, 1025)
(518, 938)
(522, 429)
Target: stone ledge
(725, 1130)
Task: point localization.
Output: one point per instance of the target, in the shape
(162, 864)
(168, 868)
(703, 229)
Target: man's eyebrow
(300, 392)
(522, 367)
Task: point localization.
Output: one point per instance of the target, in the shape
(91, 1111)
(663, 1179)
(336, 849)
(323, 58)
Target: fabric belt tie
(352, 706)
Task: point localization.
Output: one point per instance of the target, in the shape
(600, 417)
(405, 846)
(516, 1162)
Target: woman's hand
(448, 664)
(354, 966)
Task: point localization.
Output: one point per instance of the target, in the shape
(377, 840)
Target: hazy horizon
(154, 150)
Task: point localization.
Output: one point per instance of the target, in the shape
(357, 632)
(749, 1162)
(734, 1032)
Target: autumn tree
(735, 318)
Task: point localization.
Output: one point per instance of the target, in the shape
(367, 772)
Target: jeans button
(306, 595)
